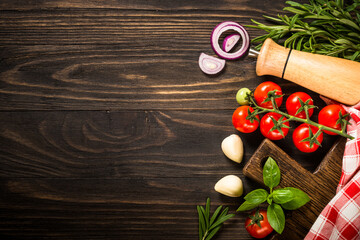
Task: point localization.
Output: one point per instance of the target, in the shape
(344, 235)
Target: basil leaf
(281, 196)
(247, 206)
(271, 173)
(257, 196)
(300, 199)
(276, 217)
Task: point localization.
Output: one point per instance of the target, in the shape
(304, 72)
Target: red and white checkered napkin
(340, 219)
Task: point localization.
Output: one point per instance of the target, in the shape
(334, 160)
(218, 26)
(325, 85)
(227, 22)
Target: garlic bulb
(230, 185)
(233, 148)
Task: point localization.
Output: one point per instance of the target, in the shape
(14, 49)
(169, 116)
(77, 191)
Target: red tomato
(293, 104)
(302, 132)
(261, 93)
(329, 116)
(267, 123)
(253, 228)
(241, 123)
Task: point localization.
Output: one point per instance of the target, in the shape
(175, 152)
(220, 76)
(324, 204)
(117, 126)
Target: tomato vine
(305, 106)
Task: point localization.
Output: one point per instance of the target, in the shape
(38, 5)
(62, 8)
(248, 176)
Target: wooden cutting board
(320, 185)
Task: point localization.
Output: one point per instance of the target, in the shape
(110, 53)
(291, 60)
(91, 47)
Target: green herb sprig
(208, 227)
(288, 198)
(321, 26)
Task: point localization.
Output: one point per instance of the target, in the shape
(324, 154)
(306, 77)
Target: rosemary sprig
(208, 227)
(321, 26)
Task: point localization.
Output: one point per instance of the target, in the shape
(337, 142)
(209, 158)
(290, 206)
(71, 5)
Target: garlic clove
(230, 185)
(232, 147)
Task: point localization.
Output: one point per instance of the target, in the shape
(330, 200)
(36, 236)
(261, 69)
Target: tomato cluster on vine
(274, 124)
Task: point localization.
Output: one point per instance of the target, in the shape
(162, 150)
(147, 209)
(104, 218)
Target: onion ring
(223, 27)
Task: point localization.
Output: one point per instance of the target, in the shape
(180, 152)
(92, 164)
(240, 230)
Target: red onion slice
(211, 65)
(223, 27)
(230, 41)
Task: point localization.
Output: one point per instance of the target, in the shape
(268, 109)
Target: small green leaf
(207, 212)
(257, 196)
(213, 232)
(276, 217)
(294, 10)
(224, 212)
(215, 215)
(206, 220)
(315, 16)
(202, 226)
(295, 4)
(272, 18)
(293, 21)
(221, 220)
(355, 55)
(281, 196)
(350, 23)
(354, 34)
(300, 199)
(271, 173)
(299, 44)
(247, 206)
(343, 41)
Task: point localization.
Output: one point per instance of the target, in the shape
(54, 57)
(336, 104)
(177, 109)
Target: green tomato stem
(307, 112)
(274, 105)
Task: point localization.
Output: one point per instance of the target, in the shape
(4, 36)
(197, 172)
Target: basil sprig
(288, 198)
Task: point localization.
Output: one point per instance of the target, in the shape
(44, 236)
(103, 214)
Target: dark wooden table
(108, 128)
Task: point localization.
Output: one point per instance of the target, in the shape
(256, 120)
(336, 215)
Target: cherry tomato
(241, 123)
(241, 96)
(293, 104)
(267, 123)
(261, 93)
(251, 225)
(329, 116)
(302, 132)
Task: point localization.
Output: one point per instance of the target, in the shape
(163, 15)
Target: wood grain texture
(128, 174)
(320, 185)
(96, 59)
(125, 144)
(229, 5)
(142, 208)
(108, 129)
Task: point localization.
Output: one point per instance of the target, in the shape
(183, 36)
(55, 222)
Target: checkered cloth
(340, 219)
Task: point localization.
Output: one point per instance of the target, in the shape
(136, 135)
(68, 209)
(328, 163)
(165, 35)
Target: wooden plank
(142, 208)
(134, 30)
(127, 144)
(74, 81)
(113, 60)
(141, 4)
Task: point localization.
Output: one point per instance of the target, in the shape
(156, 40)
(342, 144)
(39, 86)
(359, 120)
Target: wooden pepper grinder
(332, 77)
